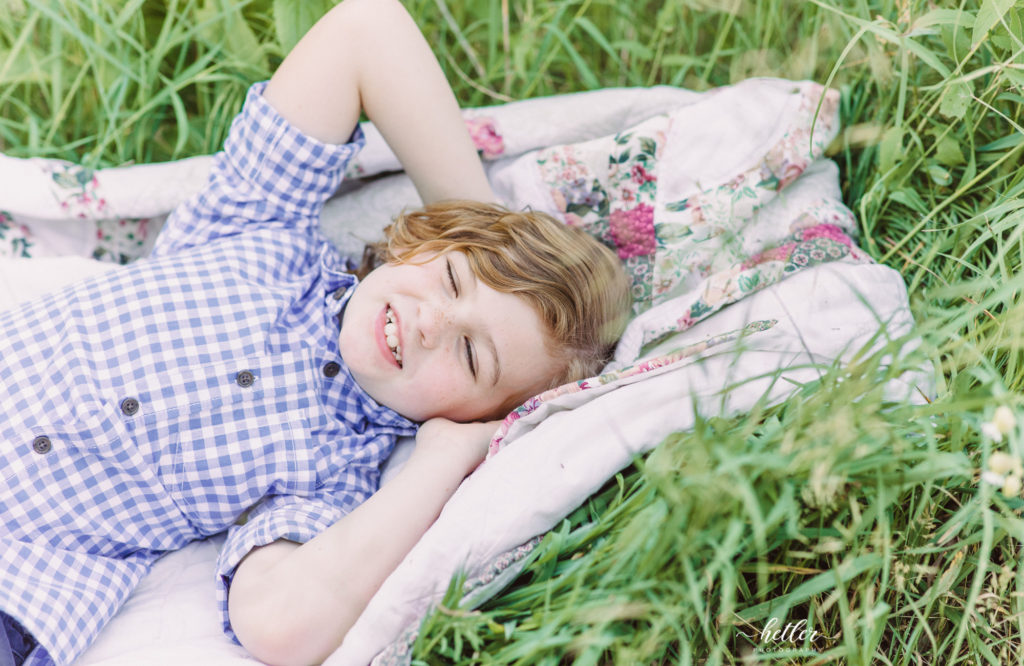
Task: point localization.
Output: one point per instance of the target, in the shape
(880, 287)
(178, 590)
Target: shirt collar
(339, 286)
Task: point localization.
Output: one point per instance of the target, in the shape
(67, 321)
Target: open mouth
(391, 335)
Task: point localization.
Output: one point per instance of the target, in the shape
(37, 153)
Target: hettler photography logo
(776, 636)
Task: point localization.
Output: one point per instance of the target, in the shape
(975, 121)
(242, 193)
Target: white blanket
(746, 281)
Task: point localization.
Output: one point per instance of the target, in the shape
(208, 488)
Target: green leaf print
(699, 309)
(579, 209)
(750, 282)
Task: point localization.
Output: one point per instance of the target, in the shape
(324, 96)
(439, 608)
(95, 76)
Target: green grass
(866, 519)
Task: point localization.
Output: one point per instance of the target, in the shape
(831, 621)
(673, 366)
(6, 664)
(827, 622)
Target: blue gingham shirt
(151, 407)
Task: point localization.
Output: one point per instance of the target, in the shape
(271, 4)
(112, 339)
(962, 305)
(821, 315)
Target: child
(239, 367)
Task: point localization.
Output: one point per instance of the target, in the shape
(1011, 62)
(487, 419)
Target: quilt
(747, 281)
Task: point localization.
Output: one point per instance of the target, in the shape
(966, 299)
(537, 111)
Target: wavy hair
(576, 284)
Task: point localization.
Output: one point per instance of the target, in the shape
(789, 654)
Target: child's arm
(369, 55)
(293, 604)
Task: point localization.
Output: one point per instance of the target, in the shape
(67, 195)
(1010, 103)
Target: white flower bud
(991, 431)
(1000, 462)
(1004, 420)
(988, 476)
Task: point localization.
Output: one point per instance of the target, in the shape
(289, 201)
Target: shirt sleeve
(268, 174)
(289, 517)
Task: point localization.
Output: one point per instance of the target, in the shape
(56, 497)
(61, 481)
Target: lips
(389, 337)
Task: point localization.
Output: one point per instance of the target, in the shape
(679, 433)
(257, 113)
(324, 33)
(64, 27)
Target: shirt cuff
(297, 171)
(288, 517)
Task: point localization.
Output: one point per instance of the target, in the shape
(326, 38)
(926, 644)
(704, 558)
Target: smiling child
(238, 371)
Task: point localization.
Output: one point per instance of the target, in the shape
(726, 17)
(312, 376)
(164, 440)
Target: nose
(433, 320)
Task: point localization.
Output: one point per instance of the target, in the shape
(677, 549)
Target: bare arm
(293, 604)
(369, 55)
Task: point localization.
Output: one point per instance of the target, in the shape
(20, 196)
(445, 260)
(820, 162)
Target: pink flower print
(574, 220)
(633, 231)
(549, 394)
(736, 183)
(685, 322)
(780, 253)
(645, 366)
(640, 175)
(485, 136)
(829, 231)
(663, 285)
(782, 163)
(697, 214)
(790, 173)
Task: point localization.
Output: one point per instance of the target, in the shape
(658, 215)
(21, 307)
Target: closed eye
(469, 357)
(451, 278)
(469, 345)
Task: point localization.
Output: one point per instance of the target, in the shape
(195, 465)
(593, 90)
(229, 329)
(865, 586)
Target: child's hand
(462, 444)
(292, 603)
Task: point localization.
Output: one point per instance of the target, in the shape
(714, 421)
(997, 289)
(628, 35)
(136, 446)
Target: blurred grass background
(865, 519)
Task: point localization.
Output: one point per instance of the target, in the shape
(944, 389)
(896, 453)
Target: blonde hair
(576, 284)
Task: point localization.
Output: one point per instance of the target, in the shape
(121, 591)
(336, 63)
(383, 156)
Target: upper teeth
(391, 335)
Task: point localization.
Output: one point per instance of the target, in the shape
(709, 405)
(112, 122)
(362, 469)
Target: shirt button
(338, 293)
(129, 406)
(41, 444)
(245, 379)
(331, 369)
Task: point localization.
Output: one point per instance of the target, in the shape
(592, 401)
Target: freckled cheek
(440, 389)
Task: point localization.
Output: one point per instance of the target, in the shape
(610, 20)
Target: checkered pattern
(154, 406)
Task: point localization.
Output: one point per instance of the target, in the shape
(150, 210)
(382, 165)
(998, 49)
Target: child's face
(465, 348)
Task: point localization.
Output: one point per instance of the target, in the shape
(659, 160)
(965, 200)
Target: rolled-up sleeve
(269, 173)
(287, 517)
